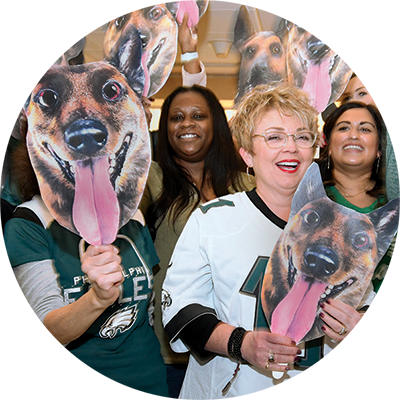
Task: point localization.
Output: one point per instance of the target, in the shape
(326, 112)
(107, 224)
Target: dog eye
(311, 217)
(156, 13)
(112, 91)
(341, 18)
(302, 23)
(251, 50)
(47, 98)
(361, 240)
(275, 49)
(120, 22)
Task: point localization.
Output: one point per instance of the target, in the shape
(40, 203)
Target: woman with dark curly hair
(197, 162)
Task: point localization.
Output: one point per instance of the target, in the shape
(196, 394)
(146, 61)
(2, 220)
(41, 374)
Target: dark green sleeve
(393, 134)
(25, 242)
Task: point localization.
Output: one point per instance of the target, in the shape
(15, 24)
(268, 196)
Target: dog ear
(114, 9)
(29, 66)
(69, 32)
(244, 28)
(13, 22)
(310, 189)
(386, 221)
(126, 56)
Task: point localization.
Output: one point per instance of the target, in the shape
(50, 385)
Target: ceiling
(217, 23)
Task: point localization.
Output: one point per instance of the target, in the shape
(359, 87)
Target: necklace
(348, 195)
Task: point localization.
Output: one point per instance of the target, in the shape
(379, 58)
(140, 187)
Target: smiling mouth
(188, 136)
(288, 166)
(353, 147)
(116, 162)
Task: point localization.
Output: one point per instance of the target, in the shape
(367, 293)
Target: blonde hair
(281, 96)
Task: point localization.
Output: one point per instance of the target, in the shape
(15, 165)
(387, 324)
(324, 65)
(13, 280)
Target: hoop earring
(248, 174)
(377, 165)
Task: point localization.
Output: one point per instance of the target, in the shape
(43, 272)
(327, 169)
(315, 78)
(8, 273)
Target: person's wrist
(189, 56)
(235, 344)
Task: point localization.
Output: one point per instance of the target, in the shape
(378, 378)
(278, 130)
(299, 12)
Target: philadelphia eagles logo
(122, 320)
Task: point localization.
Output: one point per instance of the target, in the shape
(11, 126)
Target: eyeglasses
(276, 139)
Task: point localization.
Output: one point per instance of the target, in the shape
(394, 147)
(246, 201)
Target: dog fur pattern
(66, 42)
(325, 251)
(159, 33)
(263, 55)
(88, 141)
(322, 45)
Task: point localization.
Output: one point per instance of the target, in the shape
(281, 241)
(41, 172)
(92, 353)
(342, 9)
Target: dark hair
(221, 165)
(380, 176)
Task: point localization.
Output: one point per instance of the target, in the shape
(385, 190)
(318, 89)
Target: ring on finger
(343, 331)
(271, 357)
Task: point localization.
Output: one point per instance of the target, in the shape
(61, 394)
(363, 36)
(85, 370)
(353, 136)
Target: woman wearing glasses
(211, 293)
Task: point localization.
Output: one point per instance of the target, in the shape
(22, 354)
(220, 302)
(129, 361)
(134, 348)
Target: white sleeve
(370, 300)
(194, 79)
(39, 283)
(188, 288)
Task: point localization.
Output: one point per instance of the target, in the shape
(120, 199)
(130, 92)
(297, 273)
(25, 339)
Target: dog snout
(321, 261)
(86, 136)
(316, 48)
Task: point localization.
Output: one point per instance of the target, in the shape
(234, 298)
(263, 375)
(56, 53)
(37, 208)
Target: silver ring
(343, 331)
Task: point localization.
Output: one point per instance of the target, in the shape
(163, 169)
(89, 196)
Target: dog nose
(316, 48)
(86, 136)
(321, 261)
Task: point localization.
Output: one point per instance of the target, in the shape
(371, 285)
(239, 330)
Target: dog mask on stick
(66, 42)
(88, 142)
(325, 251)
(159, 33)
(322, 45)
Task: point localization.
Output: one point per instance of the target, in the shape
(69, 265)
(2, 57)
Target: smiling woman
(197, 162)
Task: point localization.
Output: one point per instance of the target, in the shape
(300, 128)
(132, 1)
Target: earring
(329, 162)
(248, 174)
(377, 165)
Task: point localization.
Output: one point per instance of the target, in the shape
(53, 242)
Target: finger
(185, 19)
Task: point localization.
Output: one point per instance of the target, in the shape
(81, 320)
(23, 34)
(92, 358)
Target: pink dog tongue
(295, 314)
(392, 18)
(318, 84)
(96, 209)
(191, 8)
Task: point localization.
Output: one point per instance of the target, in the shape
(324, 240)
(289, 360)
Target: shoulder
(32, 209)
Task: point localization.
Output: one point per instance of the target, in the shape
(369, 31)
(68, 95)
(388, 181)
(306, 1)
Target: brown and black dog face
(159, 33)
(89, 144)
(385, 16)
(66, 42)
(263, 56)
(314, 67)
(326, 251)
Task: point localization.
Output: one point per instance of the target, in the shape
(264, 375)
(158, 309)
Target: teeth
(288, 164)
(188, 136)
(353, 147)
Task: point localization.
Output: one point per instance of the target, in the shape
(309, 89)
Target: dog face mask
(322, 45)
(325, 251)
(263, 55)
(158, 26)
(89, 144)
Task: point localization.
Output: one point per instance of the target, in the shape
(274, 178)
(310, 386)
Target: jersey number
(313, 358)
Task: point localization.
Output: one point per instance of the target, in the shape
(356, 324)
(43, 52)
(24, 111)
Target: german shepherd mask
(88, 142)
(158, 27)
(325, 251)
